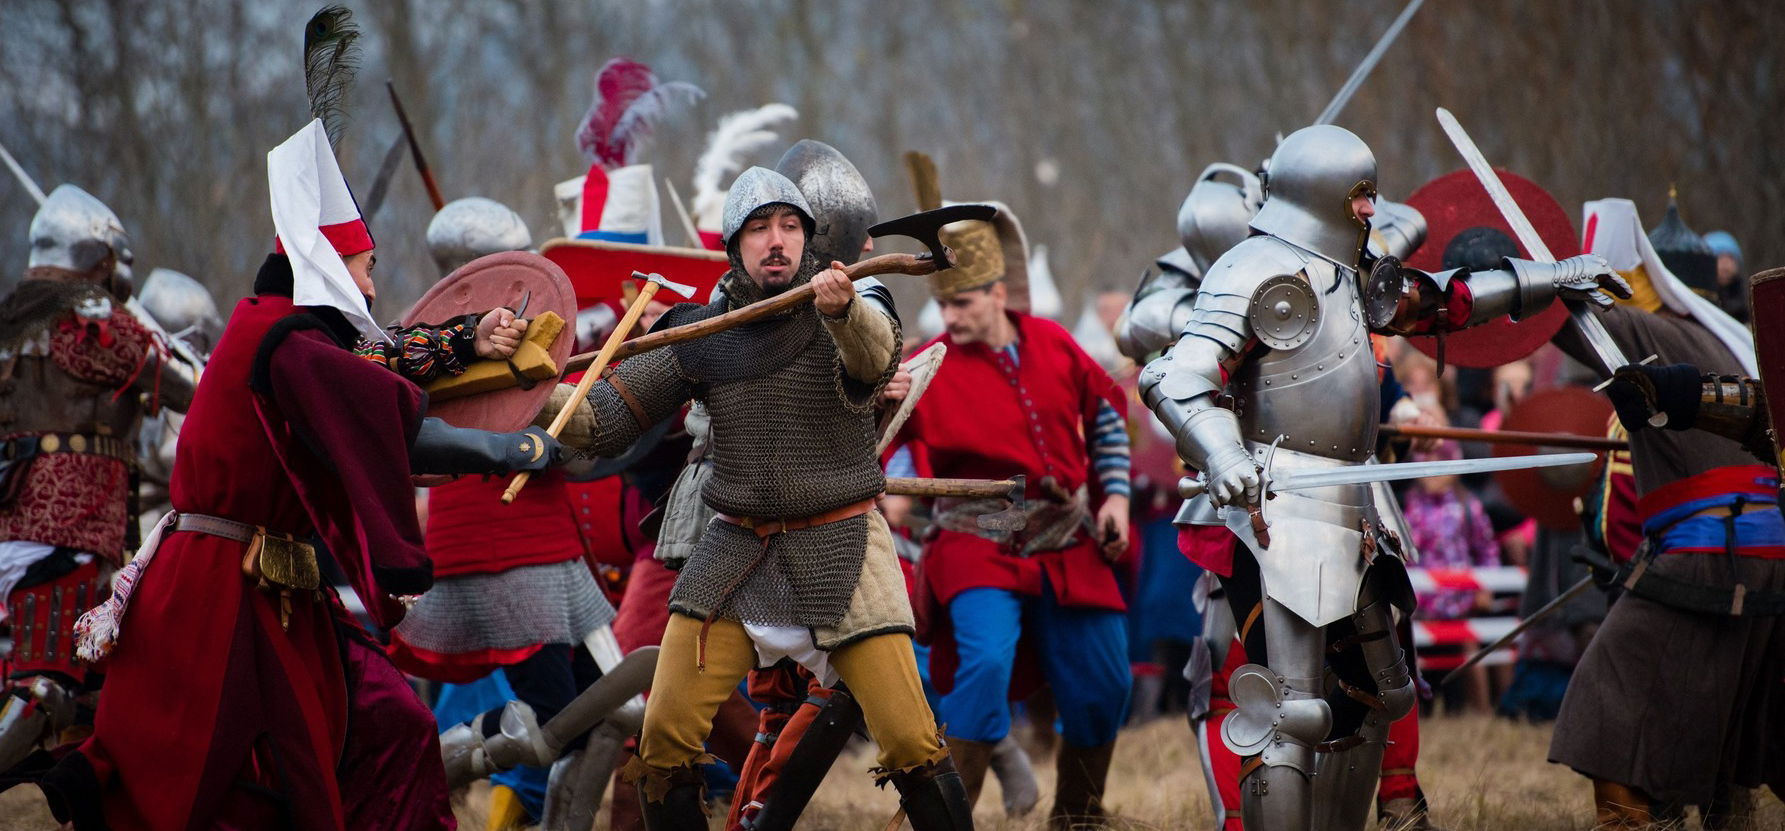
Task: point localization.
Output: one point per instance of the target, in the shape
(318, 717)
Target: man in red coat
(229, 703)
(1017, 395)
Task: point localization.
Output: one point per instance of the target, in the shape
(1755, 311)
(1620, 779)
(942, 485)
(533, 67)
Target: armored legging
(881, 669)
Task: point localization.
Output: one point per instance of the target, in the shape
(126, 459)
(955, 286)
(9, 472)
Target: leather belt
(216, 526)
(89, 443)
(275, 562)
(771, 527)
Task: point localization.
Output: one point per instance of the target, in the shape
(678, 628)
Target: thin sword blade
(1601, 341)
(1343, 96)
(1292, 480)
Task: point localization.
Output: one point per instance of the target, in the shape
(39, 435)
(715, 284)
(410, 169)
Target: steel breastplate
(1320, 395)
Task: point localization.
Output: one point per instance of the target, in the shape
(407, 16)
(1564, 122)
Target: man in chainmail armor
(798, 563)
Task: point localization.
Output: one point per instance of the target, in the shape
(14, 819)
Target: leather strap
(110, 447)
(632, 403)
(771, 527)
(228, 529)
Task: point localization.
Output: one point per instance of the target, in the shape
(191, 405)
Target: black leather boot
(683, 806)
(934, 798)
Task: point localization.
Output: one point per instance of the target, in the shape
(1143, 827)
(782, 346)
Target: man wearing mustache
(798, 563)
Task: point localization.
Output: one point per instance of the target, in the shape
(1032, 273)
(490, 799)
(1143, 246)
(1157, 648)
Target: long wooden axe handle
(965, 488)
(913, 264)
(1505, 437)
(602, 358)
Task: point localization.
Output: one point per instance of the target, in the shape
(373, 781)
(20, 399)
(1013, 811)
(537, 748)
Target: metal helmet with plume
(629, 102)
(331, 59)
(728, 149)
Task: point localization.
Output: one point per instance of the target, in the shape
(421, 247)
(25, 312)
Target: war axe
(925, 227)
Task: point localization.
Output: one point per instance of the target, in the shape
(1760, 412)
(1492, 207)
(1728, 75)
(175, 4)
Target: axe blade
(686, 291)
(926, 227)
(1014, 518)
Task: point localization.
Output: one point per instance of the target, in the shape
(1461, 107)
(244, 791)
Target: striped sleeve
(1109, 450)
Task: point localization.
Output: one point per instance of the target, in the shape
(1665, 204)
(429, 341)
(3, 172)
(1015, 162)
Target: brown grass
(1480, 774)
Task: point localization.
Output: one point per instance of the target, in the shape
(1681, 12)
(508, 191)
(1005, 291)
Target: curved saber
(1343, 96)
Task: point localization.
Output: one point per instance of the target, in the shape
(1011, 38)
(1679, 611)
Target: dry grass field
(1481, 775)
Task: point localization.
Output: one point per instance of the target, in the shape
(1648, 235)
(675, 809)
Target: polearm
(421, 162)
(884, 264)
(1542, 612)
(1416, 431)
(925, 227)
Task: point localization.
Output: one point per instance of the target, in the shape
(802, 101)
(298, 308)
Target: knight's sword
(1590, 327)
(1343, 96)
(1361, 474)
(24, 178)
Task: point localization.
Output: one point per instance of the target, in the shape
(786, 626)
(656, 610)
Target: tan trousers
(881, 672)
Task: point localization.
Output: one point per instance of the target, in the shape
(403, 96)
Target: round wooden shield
(1462, 224)
(1548, 494)
(481, 285)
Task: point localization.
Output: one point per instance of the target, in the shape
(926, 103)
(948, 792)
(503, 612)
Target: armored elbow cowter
(1179, 389)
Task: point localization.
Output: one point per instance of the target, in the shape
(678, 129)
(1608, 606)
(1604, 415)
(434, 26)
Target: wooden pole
(1413, 431)
(602, 359)
(872, 267)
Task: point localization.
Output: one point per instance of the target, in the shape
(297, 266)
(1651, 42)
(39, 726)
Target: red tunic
(983, 418)
(206, 691)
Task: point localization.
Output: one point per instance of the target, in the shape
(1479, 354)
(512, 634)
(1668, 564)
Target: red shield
(1547, 494)
(1458, 210)
(601, 271)
(1768, 303)
(483, 284)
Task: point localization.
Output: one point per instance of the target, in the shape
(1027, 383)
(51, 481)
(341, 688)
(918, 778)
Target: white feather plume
(738, 135)
(633, 130)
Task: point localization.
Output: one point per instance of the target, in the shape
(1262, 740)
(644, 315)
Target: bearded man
(798, 563)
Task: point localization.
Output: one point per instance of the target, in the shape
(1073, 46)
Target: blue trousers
(1084, 657)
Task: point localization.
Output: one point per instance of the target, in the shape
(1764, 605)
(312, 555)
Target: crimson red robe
(983, 418)
(216, 714)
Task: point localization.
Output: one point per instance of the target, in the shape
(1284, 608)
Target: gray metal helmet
(75, 231)
(842, 205)
(755, 188)
(1309, 186)
(1215, 215)
(184, 307)
(468, 228)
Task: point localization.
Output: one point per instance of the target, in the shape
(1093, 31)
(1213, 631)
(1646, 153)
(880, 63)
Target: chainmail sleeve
(635, 395)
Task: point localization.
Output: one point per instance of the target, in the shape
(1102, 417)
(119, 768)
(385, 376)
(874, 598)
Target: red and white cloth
(318, 223)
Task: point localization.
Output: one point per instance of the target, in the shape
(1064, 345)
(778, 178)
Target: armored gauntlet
(441, 448)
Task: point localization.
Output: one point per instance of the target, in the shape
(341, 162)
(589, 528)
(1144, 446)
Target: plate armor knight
(1274, 370)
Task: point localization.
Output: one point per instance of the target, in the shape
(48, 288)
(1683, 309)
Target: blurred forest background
(1091, 119)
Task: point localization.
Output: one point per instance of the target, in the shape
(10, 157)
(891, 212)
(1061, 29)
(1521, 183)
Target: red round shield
(486, 283)
(1455, 206)
(1548, 494)
(602, 270)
